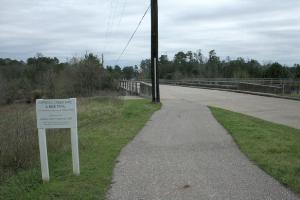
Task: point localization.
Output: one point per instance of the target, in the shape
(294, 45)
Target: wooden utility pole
(154, 52)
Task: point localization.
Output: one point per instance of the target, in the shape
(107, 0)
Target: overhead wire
(119, 9)
(116, 13)
(108, 19)
(113, 7)
(133, 34)
(122, 11)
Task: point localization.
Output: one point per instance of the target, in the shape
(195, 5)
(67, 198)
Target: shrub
(44, 77)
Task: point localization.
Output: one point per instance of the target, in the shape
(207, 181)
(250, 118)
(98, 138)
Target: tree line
(47, 77)
(196, 65)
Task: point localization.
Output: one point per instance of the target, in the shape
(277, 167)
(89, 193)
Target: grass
(105, 127)
(274, 148)
(295, 95)
(19, 141)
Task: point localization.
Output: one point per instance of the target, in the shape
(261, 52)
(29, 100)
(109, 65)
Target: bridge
(183, 153)
(276, 110)
(254, 101)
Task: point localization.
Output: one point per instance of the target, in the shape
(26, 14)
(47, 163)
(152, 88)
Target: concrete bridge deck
(276, 110)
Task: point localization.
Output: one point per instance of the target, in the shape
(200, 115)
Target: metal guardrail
(136, 88)
(272, 86)
(265, 81)
(255, 87)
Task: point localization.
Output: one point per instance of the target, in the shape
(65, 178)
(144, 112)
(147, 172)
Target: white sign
(56, 113)
(52, 114)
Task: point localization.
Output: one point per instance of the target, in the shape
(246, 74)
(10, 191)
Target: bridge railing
(136, 88)
(272, 86)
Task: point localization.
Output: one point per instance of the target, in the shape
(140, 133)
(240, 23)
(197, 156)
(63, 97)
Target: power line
(108, 22)
(117, 13)
(122, 11)
(117, 18)
(130, 39)
(110, 25)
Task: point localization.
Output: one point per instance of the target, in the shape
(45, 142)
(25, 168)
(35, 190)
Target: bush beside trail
(45, 77)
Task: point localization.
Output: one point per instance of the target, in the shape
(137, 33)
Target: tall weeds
(19, 138)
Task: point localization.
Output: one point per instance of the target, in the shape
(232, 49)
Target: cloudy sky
(266, 30)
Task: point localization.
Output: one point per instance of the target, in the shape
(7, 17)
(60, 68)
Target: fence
(137, 88)
(272, 86)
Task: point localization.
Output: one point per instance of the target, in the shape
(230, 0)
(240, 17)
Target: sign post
(74, 141)
(56, 114)
(43, 154)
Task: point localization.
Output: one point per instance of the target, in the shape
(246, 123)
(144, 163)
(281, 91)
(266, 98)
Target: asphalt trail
(184, 154)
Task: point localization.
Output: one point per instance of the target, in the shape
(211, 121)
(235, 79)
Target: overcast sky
(266, 30)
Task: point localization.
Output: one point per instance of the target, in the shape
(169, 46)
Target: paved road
(184, 154)
(272, 109)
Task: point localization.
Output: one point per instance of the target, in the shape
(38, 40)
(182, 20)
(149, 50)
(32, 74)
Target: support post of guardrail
(130, 88)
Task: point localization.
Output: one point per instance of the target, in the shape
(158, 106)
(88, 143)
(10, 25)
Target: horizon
(67, 59)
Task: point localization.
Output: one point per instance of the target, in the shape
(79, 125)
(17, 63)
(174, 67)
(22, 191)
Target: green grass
(105, 127)
(295, 95)
(274, 148)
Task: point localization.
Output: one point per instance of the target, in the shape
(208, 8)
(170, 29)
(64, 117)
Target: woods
(46, 77)
(196, 65)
